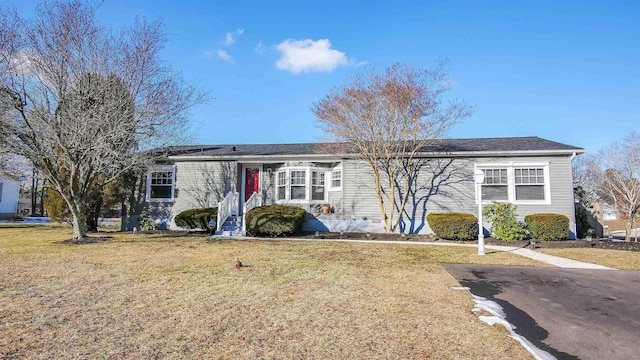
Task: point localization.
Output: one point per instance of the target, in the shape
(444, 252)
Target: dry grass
(619, 259)
(148, 296)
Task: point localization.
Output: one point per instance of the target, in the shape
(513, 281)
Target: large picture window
(516, 183)
(161, 184)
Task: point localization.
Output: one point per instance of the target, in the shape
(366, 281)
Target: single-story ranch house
(337, 189)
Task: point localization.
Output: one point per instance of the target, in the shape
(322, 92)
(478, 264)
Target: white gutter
(273, 158)
(573, 156)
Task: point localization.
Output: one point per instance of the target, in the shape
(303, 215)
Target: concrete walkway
(549, 259)
(538, 256)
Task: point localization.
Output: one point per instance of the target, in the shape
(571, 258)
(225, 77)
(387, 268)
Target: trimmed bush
(548, 226)
(146, 222)
(504, 225)
(274, 220)
(454, 226)
(196, 219)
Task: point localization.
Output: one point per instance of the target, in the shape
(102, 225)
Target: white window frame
(309, 170)
(161, 168)
(291, 185)
(324, 178)
(511, 185)
(331, 178)
(278, 185)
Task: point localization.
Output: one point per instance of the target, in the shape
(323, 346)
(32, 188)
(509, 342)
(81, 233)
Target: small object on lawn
(533, 243)
(317, 234)
(368, 235)
(238, 264)
(134, 230)
(341, 233)
(402, 235)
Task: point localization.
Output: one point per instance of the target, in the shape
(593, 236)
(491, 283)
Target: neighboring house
(9, 193)
(533, 173)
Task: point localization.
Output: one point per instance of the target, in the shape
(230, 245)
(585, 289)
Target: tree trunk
(93, 214)
(628, 225)
(78, 221)
(34, 192)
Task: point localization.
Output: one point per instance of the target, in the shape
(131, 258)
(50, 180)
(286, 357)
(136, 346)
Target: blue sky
(567, 71)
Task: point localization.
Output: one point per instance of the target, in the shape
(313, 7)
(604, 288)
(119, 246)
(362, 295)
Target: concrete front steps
(232, 227)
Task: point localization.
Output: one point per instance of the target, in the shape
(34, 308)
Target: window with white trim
(161, 184)
(317, 185)
(302, 184)
(298, 187)
(496, 185)
(516, 183)
(529, 183)
(336, 179)
(281, 186)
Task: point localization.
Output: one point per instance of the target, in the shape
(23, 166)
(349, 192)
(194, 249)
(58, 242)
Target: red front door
(251, 181)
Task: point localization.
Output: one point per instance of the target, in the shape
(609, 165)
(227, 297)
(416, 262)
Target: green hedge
(274, 220)
(196, 219)
(547, 226)
(454, 226)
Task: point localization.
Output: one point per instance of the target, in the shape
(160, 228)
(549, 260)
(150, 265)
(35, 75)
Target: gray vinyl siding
(197, 185)
(203, 184)
(446, 185)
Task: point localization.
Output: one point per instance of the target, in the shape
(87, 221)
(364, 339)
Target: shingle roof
(506, 144)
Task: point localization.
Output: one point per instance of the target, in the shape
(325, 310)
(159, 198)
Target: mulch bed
(86, 240)
(596, 243)
(564, 244)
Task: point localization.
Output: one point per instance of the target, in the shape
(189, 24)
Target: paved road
(570, 313)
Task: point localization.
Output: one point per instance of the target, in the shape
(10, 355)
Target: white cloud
(224, 55)
(309, 56)
(259, 48)
(232, 37)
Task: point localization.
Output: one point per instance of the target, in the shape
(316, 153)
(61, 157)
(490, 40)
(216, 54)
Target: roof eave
(246, 158)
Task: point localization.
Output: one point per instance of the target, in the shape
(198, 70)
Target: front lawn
(148, 296)
(619, 259)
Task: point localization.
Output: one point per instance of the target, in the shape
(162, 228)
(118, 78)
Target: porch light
(478, 177)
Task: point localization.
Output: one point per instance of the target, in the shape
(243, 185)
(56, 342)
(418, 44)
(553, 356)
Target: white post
(480, 227)
(478, 177)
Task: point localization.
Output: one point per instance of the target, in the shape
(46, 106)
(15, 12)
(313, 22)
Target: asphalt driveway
(570, 313)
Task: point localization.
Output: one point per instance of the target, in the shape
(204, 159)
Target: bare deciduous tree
(388, 118)
(80, 101)
(615, 176)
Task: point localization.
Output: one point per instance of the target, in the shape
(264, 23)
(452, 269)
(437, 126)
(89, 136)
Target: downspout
(575, 224)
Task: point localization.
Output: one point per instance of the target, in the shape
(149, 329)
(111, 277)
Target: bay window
(306, 184)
